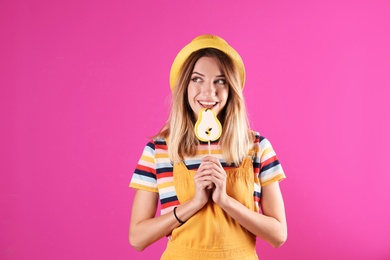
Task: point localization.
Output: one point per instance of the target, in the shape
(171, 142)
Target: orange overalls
(211, 233)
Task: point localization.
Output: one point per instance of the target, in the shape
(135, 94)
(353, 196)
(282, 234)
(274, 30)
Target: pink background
(84, 83)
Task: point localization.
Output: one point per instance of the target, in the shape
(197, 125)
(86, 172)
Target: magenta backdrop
(84, 83)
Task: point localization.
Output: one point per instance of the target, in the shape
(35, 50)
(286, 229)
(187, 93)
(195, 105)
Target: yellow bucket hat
(202, 42)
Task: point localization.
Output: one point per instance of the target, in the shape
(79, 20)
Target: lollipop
(207, 127)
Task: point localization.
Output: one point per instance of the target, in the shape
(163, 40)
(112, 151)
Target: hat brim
(202, 42)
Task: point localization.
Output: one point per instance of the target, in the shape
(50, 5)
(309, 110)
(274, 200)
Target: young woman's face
(207, 87)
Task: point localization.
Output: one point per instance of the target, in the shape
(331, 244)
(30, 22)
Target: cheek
(191, 99)
(192, 95)
(190, 92)
(225, 95)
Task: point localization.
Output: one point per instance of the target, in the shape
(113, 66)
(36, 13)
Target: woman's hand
(211, 166)
(203, 187)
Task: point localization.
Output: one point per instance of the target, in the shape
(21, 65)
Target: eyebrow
(200, 74)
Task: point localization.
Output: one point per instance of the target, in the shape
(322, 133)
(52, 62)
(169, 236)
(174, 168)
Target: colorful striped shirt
(154, 171)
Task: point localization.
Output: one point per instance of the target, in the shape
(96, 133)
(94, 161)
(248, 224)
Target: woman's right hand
(203, 187)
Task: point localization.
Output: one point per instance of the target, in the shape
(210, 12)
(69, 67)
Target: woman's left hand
(218, 177)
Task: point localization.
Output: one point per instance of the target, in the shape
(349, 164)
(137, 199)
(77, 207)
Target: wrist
(196, 205)
(224, 202)
(177, 218)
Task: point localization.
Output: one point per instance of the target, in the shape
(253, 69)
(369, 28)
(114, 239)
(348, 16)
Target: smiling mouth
(208, 104)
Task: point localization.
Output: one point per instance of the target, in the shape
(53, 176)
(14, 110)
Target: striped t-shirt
(154, 171)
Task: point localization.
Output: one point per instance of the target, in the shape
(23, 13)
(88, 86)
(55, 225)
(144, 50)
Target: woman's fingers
(211, 167)
(210, 173)
(203, 180)
(211, 159)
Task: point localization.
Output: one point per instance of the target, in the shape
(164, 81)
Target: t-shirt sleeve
(144, 177)
(270, 169)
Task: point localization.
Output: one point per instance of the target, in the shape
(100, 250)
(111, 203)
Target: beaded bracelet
(180, 221)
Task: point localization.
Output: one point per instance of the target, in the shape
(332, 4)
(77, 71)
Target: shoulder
(157, 143)
(159, 140)
(260, 143)
(257, 138)
(157, 149)
(154, 147)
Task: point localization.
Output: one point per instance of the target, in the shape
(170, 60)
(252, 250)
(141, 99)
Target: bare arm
(271, 226)
(146, 229)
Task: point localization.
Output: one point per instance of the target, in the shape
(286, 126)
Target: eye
(196, 79)
(220, 81)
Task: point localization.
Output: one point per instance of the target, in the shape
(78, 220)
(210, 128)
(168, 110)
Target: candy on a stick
(207, 127)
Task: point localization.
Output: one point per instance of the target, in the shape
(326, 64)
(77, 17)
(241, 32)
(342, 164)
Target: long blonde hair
(236, 138)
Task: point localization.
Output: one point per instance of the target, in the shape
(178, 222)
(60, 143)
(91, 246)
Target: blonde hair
(236, 138)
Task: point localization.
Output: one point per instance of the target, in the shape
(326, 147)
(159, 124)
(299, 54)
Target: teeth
(205, 103)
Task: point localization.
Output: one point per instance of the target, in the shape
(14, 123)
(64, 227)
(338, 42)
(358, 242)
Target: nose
(209, 89)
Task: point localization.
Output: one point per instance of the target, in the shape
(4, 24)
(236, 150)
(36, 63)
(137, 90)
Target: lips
(208, 104)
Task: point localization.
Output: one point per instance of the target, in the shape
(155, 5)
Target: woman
(210, 204)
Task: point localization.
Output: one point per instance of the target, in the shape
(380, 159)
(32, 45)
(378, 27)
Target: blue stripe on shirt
(269, 166)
